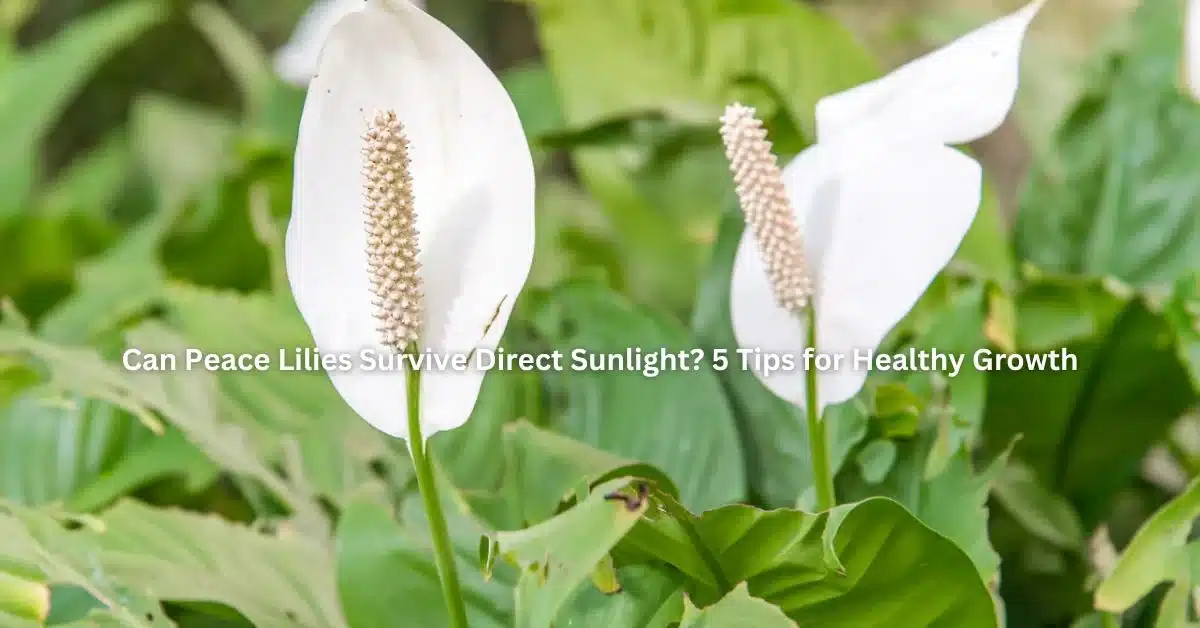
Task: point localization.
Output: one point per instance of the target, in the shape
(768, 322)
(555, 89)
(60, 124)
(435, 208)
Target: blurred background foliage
(145, 183)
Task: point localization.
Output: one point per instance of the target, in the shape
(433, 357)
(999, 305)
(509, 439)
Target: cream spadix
(412, 218)
(882, 202)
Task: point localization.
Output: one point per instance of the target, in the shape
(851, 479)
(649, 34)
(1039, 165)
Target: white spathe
(473, 183)
(296, 61)
(883, 203)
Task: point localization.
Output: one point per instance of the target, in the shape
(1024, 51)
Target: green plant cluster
(200, 499)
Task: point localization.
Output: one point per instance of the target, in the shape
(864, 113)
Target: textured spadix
(764, 202)
(882, 203)
(466, 231)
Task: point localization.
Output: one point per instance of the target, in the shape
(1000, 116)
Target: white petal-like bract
(883, 203)
(953, 95)
(473, 185)
(296, 61)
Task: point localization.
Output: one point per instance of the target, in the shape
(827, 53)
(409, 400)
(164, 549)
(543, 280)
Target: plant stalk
(443, 551)
(818, 440)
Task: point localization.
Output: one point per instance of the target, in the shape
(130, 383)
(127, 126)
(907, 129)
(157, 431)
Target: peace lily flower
(296, 61)
(412, 226)
(413, 209)
(861, 222)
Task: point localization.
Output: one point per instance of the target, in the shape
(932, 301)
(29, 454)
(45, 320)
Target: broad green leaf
(292, 395)
(50, 446)
(159, 126)
(385, 574)
(121, 283)
(546, 469)
(773, 432)
(154, 457)
(647, 598)
(1184, 313)
(876, 459)
(953, 503)
(1126, 202)
(532, 90)
(40, 549)
(869, 563)
(958, 329)
(1155, 554)
(93, 183)
(655, 412)
(739, 609)
(474, 454)
(1084, 430)
(625, 58)
(188, 399)
(38, 86)
(1175, 607)
(1044, 514)
(557, 555)
(176, 556)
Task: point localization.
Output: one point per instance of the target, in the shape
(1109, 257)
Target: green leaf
(1125, 203)
(869, 563)
(159, 126)
(953, 503)
(1154, 555)
(627, 66)
(1085, 430)
(37, 87)
(288, 396)
(655, 412)
(876, 459)
(176, 556)
(557, 555)
(533, 93)
(624, 58)
(188, 399)
(737, 610)
(50, 447)
(647, 598)
(385, 573)
(93, 183)
(774, 433)
(1184, 313)
(1044, 514)
(471, 455)
(959, 328)
(123, 282)
(546, 469)
(154, 457)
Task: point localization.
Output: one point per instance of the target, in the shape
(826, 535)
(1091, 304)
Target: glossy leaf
(1124, 203)
(656, 413)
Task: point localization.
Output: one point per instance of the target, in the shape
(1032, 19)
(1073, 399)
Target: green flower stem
(818, 440)
(443, 551)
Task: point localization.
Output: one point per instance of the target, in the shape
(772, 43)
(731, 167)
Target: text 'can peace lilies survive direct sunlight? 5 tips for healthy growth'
(842, 242)
(412, 224)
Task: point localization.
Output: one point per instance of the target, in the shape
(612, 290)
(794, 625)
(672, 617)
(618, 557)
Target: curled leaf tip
(392, 242)
(764, 201)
